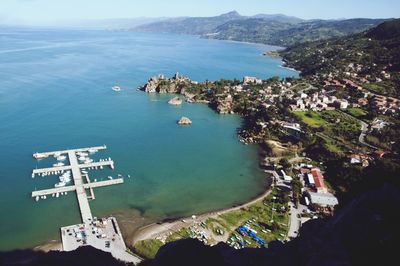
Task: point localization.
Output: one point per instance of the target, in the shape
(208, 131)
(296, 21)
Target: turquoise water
(55, 93)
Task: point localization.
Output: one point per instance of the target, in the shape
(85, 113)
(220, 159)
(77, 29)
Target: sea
(55, 93)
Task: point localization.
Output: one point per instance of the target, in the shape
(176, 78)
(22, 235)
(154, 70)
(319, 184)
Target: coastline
(52, 245)
(154, 230)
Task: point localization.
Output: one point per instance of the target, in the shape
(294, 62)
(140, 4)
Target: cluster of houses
(318, 101)
(385, 105)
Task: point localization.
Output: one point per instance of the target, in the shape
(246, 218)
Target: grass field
(312, 119)
(357, 112)
(383, 88)
(332, 123)
(148, 248)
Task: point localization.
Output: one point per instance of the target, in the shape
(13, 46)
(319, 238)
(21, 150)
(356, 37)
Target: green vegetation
(269, 29)
(384, 88)
(269, 217)
(268, 214)
(183, 233)
(374, 52)
(312, 119)
(148, 248)
(333, 147)
(357, 112)
(284, 33)
(331, 123)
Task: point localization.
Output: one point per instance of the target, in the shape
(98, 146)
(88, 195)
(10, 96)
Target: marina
(103, 233)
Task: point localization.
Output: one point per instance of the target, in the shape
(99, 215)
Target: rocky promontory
(160, 84)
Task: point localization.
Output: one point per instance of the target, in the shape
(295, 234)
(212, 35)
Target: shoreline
(157, 229)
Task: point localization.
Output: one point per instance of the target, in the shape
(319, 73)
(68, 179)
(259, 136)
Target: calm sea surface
(55, 93)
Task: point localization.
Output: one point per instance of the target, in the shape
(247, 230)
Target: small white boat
(56, 154)
(116, 88)
(58, 164)
(57, 195)
(92, 150)
(61, 158)
(60, 184)
(110, 177)
(39, 156)
(88, 161)
(37, 198)
(65, 193)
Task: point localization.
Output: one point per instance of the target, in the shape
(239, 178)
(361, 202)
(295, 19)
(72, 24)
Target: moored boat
(39, 156)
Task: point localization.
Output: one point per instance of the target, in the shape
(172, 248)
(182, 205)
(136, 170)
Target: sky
(33, 12)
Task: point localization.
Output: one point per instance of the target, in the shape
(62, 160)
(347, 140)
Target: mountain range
(276, 29)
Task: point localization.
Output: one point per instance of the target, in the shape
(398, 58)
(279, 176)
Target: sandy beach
(158, 229)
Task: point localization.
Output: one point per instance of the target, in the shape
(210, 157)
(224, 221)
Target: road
(364, 130)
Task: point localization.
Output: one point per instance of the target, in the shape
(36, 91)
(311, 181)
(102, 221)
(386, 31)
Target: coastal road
(364, 130)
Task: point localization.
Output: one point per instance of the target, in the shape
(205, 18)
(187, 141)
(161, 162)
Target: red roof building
(318, 180)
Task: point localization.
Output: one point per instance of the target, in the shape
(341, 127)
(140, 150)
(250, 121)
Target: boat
(56, 154)
(87, 161)
(92, 150)
(39, 156)
(57, 195)
(61, 158)
(116, 88)
(57, 164)
(60, 184)
(37, 198)
(110, 177)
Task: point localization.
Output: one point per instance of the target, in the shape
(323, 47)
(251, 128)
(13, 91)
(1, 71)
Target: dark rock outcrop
(84, 256)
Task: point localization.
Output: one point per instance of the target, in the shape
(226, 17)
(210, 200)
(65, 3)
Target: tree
(284, 162)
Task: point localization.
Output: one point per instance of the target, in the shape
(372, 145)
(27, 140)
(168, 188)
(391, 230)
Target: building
(251, 80)
(318, 180)
(322, 200)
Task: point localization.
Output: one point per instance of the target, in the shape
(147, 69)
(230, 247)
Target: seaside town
(316, 135)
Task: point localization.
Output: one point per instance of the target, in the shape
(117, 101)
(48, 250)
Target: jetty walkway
(102, 234)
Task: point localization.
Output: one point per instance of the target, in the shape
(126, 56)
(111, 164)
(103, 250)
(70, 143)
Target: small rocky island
(175, 101)
(184, 121)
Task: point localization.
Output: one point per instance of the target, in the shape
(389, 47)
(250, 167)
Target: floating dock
(110, 239)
